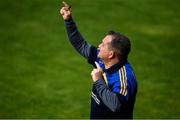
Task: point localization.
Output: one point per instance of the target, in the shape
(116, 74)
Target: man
(114, 83)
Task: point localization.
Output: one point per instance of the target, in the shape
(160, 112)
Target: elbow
(115, 108)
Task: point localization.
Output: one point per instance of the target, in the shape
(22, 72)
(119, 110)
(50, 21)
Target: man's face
(104, 48)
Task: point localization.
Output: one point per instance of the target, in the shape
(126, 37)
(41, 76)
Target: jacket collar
(115, 67)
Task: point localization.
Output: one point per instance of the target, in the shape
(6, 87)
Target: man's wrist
(97, 81)
(68, 19)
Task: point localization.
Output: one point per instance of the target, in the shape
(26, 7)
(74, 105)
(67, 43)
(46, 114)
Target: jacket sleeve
(112, 100)
(76, 39)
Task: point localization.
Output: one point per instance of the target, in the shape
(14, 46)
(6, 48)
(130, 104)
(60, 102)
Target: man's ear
(111, 54)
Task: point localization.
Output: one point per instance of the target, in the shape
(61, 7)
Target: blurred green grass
(42, 76)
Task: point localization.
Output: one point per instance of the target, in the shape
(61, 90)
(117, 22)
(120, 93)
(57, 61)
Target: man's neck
(110, 63)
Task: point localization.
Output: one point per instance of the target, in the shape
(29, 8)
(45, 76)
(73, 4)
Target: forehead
(107, 39)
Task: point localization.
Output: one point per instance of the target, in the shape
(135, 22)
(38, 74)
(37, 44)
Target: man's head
(114, 46)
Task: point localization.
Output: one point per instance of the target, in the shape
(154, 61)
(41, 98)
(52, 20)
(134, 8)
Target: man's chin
(99, 56)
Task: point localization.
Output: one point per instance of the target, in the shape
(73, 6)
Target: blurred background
(42, 76)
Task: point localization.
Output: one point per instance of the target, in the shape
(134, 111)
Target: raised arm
(74, 35)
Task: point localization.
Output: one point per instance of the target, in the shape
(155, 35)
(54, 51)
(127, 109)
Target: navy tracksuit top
(114, 96)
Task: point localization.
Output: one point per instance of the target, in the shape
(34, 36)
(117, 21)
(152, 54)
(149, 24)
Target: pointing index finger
(98, 66)
(65, 4)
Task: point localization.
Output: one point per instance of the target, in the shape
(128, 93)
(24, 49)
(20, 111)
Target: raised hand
(66, 11)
